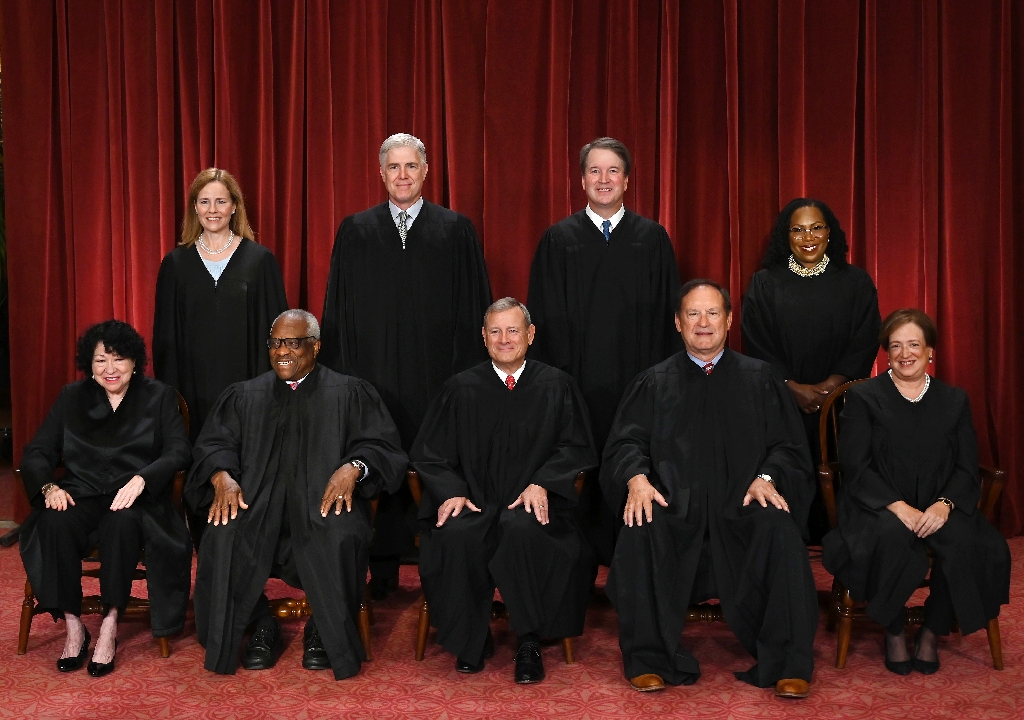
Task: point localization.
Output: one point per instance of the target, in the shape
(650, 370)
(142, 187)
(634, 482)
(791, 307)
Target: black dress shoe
(314, 655)
(71, 664)
(100, 669)
(469, 669)
(900, 667)
(925, 667)
(529, 666)
(264, 646)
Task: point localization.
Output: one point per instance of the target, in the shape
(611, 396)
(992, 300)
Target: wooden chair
(498, 610)
(830, 477)
(92, 604)
(289, 608)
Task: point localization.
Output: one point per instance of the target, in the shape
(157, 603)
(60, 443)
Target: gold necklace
(808, 272)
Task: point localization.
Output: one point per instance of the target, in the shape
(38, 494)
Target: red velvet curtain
(905, 117)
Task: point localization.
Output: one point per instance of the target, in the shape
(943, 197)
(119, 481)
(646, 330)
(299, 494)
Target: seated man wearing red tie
(498, 454)
(707, 461)
(285, 468)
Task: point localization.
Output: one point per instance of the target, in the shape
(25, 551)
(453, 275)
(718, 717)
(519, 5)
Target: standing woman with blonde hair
(217, 295)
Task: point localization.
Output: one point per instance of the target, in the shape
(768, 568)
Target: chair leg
(567, 650)
(833, 606)
(165, 647)
(995, 643)
(364, 629)
(422, 630)
(28, 607)
(845, 628)
(368, 603)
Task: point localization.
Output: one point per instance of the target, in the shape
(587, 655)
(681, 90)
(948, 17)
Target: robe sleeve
(373, 438)
(435, 453)
(865, 321)
(573, 453)
(271, 302)
(963, 486)
(861, 480)
(547, 303)
(627, 452)
(472, 297)
(760, 337)
(175, 453)
(43, 454)
(332, 349)
(165, 327)
(217, 448)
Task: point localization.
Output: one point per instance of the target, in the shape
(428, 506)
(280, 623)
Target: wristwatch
(767, 478)
(947, 502)
(363, 469)
(48, 488)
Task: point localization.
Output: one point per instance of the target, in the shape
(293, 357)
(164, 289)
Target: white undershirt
(598, 220)
(504, 375)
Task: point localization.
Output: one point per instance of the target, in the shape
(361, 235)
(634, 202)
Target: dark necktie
(708, 367)
(293, 385)
(510, 382)
(606, 228)
(403, 226)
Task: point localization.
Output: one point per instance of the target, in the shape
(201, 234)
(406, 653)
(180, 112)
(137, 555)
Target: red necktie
(708, 367)
(294, 385)
(510, 382)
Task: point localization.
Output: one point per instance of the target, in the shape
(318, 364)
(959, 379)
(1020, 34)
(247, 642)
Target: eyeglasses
(818, 231)
(290, 343)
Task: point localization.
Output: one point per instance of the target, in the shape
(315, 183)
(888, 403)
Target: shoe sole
(653, 688)
(792, 696)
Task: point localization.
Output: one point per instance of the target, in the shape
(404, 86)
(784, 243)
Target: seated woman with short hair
(120, 438)
(910, 467)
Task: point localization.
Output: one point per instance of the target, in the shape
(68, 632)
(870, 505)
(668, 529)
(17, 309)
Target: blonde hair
(239, 222)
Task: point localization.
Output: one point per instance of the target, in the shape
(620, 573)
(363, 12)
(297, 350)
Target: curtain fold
(904, 117)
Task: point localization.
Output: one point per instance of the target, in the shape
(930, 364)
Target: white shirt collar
(504, 375)
(412, 211)
(598, 220)
(299, 381)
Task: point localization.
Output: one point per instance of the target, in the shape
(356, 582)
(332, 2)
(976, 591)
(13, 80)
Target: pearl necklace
(808, 272)
(927, 384)
(231, 239)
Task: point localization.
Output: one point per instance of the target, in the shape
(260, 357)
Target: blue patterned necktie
(606, 228)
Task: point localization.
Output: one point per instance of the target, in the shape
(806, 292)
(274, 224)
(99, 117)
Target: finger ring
(543, 505)
(341, 497)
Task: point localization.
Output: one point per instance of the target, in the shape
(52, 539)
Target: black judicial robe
(207, 334)
(405, 319)
(604, 312)
(339, 419)
(701, 440)
(101, 450)
(892, 449)
(487, 443)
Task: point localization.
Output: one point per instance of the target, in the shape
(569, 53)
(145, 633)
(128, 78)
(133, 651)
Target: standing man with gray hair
(602, 287)
(406, 291)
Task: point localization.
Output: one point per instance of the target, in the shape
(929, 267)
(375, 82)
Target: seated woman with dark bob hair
(120, 438)
(910, 469)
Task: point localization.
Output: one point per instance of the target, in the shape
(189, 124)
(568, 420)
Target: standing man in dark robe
(498, 454)
(709, 461)
(408, 286)
(602, 288)
(287, 464)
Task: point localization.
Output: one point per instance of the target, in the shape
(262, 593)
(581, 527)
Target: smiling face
(703, 322)
(909, 354)
(604, 181)
(403, 174)
(110, 370)
(214, 207)
(507, 338)
(808, 235)
(289, 364)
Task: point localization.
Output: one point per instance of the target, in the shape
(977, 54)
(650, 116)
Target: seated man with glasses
(708, 463)
(285, 467)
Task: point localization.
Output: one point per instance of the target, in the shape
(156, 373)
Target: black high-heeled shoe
(100, 669)
(70, 664)
(925, 667)
(900, 667)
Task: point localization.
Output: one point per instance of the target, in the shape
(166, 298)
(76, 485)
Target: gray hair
(507, 303)
(312, 326)
(403, 140)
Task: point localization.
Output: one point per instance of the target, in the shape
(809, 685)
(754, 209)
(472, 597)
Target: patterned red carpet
(394, 685)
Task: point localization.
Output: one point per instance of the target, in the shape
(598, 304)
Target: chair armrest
(579, 481)
(415, 487)
(992, 482)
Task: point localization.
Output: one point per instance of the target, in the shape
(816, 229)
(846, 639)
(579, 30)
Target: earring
(930, 358)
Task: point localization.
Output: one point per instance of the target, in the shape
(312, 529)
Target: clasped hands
(809, 398)
(59, 499)
(642, 496)
(534, 499)
(921, 523)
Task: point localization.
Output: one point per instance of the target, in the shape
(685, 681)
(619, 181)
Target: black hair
(778, 242)
(691, 285)
(117, 337)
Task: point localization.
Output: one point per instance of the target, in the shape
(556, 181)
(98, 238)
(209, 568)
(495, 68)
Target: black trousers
(66, 536)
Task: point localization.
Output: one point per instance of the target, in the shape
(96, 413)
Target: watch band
(767, 478)
(364, 470)
(947, 502)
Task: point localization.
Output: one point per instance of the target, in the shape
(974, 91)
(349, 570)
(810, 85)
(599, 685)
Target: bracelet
(947, 502)
(767, 479)
(48, 488)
